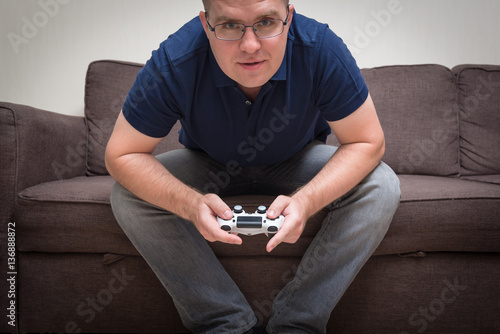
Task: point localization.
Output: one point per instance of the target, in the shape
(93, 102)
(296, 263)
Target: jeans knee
(388, 188)
(121, 203)
(116, 196)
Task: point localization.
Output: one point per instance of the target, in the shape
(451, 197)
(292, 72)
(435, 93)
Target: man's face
(250, 61)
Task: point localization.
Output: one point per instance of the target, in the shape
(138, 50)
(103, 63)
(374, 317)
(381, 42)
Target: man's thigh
(199, 171)
(286, 177)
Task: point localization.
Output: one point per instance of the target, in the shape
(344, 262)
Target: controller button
(261, 209)
(226, 228)
(238, 209)
(272, 229)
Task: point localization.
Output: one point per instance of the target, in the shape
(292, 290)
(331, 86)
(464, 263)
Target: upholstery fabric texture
(78, 272)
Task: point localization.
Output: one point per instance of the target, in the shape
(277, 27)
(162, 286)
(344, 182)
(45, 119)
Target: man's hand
(205, 219)
(294, 224)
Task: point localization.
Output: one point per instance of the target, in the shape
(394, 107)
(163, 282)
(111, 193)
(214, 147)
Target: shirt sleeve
(152, 104)
(341, 89)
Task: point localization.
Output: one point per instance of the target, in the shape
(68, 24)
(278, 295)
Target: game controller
(251, 223)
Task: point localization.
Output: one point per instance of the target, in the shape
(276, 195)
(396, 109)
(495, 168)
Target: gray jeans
(206, 298)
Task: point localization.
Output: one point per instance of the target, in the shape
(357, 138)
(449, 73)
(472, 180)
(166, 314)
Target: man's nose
(250, 42)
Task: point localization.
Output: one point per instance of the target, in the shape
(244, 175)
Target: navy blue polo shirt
(318, 81)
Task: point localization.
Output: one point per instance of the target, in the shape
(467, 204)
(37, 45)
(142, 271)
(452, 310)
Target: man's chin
(252, 83)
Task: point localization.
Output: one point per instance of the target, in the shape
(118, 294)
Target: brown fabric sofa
(436, 271)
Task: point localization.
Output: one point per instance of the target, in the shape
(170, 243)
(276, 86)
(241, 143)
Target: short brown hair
(206, 4)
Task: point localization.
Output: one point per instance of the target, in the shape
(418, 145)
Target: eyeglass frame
(244, 30)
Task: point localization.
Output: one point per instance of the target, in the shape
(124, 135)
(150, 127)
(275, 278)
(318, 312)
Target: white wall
(46, 45)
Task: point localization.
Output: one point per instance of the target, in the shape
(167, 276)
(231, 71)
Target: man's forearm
(347, 167)
(148, 179)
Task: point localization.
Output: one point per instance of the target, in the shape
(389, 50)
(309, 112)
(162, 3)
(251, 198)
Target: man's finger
(218, 206)
(279, 204)
(218, 234)
(275, 241)
(227, 238)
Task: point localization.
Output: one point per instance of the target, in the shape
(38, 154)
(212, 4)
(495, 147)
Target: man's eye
(230, 26)
(266, 23)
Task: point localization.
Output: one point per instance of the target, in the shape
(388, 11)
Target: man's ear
(203, 19)
(291, 8)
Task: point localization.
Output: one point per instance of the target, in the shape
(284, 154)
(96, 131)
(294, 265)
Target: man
(257, 88)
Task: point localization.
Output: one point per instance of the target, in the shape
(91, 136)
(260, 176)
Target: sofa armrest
(39, 146)
(36, 146)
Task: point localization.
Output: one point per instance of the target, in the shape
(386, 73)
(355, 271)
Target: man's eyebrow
(223, 18)
(272, 12)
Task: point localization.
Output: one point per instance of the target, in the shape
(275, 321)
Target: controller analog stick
(272, 229)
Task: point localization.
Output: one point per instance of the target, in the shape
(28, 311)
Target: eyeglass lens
(263, 29)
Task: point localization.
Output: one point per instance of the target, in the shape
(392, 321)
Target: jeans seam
(294, 288)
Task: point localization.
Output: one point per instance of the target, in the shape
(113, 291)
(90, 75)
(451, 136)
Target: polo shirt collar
(222, 80)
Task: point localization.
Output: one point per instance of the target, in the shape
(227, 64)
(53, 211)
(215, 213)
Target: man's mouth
(251, 65)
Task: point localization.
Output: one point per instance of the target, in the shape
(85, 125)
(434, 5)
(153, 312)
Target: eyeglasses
(263, 29)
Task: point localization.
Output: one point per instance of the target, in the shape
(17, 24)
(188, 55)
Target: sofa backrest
(479, 112)
(421, 108)
(107, 85)
(416, 105)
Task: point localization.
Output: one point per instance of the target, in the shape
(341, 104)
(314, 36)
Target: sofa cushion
(417, 109)
(107, 85)
(439, 214)
(76, 190)
(435, 214)
(495, 179)
(70, 216)
(479, 100)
